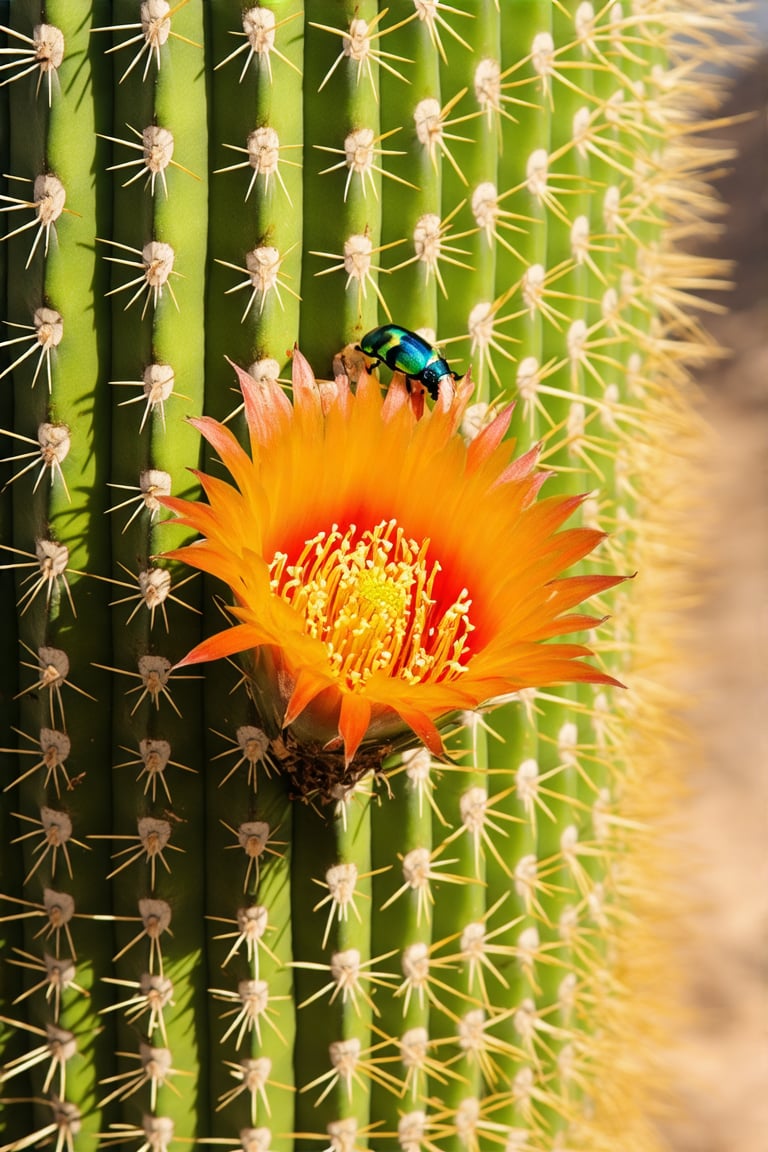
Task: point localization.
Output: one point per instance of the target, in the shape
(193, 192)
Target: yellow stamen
(369, 597)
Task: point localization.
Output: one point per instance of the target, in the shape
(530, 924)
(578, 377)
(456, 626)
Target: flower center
(370, 598)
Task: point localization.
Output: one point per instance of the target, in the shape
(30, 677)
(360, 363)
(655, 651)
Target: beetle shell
(405, 351)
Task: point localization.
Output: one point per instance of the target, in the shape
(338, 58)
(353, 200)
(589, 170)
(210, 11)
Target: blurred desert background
(722, 1068)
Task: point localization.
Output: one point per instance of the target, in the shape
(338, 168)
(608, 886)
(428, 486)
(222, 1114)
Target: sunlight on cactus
(352, 841)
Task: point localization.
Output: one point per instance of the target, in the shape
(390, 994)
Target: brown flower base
(317, 774)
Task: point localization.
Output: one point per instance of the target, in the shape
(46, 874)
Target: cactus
(260, 904)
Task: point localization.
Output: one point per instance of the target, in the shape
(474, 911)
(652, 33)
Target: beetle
(405, 351)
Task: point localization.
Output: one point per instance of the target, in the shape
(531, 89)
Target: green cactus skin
(450, 955)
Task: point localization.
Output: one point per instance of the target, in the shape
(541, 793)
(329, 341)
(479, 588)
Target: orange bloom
(385, 573)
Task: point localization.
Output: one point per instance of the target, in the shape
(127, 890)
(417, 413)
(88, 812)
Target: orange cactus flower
(385, 574)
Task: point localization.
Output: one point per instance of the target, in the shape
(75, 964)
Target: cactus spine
(448, 955)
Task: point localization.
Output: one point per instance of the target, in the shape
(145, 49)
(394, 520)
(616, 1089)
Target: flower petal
(238, 638)
(424, 728)
(488, 439)
(353, 722)
(307, 686)
(267, 408)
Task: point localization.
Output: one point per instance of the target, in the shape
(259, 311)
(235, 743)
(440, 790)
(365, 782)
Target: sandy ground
(724, 1067)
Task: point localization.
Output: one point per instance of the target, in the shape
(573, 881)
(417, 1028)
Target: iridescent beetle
(405, 351)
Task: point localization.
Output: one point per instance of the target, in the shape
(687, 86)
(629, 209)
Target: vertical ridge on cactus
(391, 878)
